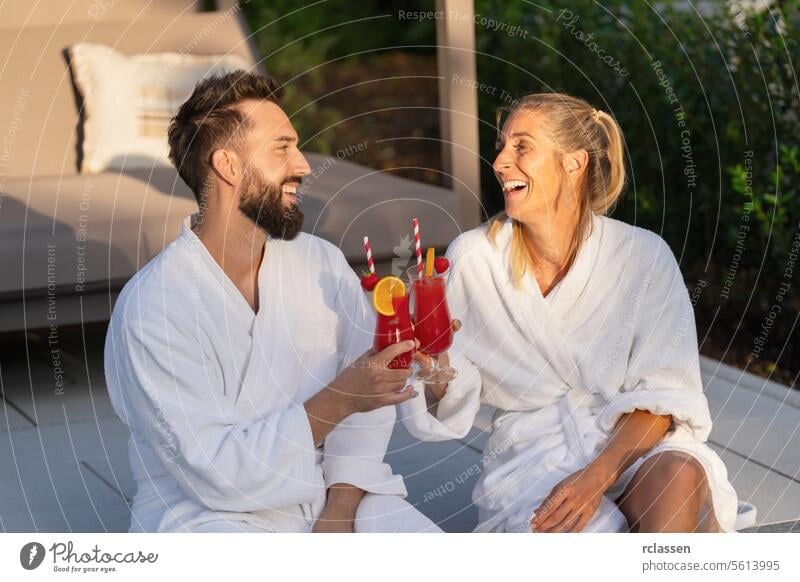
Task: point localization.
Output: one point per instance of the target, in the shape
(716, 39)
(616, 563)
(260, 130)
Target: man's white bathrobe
(213, 392)
(615, 335)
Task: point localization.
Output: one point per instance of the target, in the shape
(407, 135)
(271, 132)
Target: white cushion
(128, 101)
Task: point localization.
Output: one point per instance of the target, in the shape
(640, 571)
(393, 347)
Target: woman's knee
(661, 479)
(680, 472)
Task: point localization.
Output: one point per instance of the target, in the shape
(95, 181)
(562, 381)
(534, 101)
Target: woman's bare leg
(666, 494)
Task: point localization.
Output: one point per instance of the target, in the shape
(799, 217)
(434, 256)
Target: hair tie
(595, 114)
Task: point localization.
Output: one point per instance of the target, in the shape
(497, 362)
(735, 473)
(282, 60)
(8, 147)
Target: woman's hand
(435, 392)
(574, 501)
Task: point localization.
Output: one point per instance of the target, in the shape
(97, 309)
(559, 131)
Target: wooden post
(458, 104)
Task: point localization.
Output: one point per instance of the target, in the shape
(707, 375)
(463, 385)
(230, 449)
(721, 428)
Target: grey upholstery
(81, 237)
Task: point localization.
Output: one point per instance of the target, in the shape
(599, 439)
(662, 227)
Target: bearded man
(240, 355)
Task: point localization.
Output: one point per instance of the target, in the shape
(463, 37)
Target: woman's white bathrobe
(213, 392)
(615, 335)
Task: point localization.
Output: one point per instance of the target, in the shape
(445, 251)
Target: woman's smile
(514, 187)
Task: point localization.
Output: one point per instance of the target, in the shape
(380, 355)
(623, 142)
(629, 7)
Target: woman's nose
(502, 162)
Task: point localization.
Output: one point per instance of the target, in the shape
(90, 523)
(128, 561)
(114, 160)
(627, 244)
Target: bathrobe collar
(546, 321)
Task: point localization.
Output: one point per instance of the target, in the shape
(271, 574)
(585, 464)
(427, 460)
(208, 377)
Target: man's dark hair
(209, 119)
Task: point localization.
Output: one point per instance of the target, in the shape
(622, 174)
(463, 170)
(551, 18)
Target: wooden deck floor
(63, 452)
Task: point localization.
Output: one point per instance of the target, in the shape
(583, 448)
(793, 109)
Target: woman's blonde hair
(573, 125)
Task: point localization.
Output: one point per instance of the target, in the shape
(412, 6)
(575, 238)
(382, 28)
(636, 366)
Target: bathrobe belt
(572, 407)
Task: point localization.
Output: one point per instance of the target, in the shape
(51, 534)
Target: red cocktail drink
(392, 329)
(433, 326)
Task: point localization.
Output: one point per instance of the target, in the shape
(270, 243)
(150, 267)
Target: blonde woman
(578, 328)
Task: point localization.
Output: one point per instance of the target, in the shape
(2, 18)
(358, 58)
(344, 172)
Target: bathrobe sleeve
(355, 449)
(169, 393)
(457, 410)
(663, 374)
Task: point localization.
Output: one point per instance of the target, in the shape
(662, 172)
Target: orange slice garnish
(387, 288)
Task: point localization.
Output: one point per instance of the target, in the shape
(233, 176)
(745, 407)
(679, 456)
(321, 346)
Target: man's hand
(369, 382)
(573, 502)
(339, 514)
(366, 384)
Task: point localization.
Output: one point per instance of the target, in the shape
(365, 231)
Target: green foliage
(708, 102)
(299, 41)
(733, 78)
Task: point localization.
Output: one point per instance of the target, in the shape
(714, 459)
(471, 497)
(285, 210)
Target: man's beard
(262, 202)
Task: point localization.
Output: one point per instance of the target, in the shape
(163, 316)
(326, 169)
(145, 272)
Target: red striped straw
(369, 255)
(417, 245)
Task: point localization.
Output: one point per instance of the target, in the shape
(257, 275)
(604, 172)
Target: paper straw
(369, 255)
(417, 245)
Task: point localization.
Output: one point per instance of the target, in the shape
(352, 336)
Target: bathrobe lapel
(546, 321)
(271, 379)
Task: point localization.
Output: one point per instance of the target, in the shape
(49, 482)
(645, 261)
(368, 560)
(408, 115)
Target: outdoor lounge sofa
(70, 241)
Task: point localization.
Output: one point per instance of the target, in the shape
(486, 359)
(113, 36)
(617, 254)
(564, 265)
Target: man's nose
(300, 165)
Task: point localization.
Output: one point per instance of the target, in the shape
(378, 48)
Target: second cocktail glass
(433, 326)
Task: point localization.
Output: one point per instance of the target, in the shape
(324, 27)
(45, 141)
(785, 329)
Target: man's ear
(226, 165)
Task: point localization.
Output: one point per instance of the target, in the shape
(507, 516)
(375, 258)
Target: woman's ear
(225, 164)
(575, 163)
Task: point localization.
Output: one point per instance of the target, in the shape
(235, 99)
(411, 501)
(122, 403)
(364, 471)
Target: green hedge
(708, 103)
(709, 107)
(298, 42)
